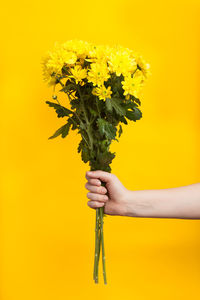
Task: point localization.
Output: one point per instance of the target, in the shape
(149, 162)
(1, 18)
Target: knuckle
(103, 190)
(106, 198)
(97, 182)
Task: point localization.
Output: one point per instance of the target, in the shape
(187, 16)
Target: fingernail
(89, 173)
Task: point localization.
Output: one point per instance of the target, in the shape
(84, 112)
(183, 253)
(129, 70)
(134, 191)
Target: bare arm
(181, 202)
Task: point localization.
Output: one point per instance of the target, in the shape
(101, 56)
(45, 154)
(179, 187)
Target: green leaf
(109, 105)
(68, 87)
(134, 115)
(85, 155)
(106, 129)
(60, 110)
(80, 145)
(64, 130)
(120, 130)
(105, 158)
(123, 120)
(116, 104)
(129, 105)
(73, 121)
(102, 161)
(75, 103)
(137, 100)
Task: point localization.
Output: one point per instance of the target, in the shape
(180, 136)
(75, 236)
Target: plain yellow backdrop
(47, 230)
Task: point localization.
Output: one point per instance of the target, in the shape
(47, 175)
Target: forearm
(182, 202)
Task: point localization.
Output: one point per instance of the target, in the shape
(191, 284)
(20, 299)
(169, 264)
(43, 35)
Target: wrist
(129, 204)
(137, 204)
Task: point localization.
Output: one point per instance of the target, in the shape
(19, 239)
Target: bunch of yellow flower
(102, 84)
(97, 65)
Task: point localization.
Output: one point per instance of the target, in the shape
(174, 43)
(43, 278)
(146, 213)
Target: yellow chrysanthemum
(100, 53)
(79, 47)
(58, 58)
(47, 72)
(143, 66)
(98, 73)
(101, 62)
(102, 92)
(78, 73)
(55, 60)
(131, 85)
(121, 63)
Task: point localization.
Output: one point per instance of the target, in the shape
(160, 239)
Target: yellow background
(47, 230)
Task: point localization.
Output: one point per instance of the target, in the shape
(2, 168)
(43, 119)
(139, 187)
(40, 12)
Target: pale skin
(180, 203)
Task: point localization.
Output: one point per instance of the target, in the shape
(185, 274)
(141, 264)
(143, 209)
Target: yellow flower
(99, 53)
(54, 61)
(102, 92)
(47, 72)
(143, 66)
(98, 73)
(132, 85)
(79, 47)
(78, 73)
(102, 60)
(121, 63)
(58, 58)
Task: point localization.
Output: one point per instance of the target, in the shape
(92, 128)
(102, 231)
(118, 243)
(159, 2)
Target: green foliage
(134, 114)
(63, 131)
(116, 105)
(102, 161)
(68, 88)
(106, 129)
(97, 121)
(60, 110)
(120, 130)
(109, 105)
(85, 155)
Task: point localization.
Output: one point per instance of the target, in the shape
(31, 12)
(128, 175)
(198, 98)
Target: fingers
(95, 204)
(95, 189)
(97, 197)
(96, 182)
(104, 176)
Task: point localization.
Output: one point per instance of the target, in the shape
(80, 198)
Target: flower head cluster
(99, 66)
(102, 92)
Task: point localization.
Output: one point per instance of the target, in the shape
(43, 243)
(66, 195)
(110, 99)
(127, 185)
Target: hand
(113, 196)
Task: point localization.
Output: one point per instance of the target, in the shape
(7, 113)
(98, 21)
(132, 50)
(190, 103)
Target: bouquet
(102, 86)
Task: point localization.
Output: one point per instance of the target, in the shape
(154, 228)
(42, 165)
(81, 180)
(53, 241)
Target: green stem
(62, 84)
(97, 246)
(102, 242)
(83, 106)
(86, 119)
(98, 107)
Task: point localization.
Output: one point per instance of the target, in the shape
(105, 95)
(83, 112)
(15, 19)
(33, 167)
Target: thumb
(103, 176)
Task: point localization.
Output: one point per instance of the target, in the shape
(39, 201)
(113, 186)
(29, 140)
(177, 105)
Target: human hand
(113, 196)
